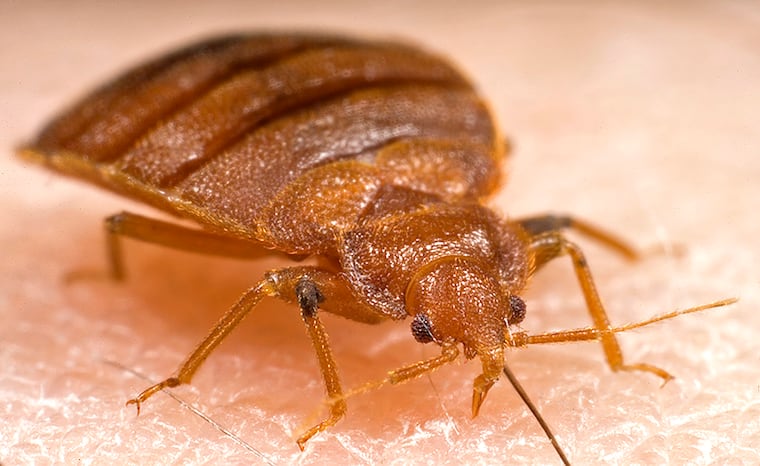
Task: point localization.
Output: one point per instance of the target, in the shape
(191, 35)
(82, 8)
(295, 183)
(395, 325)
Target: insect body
(374, 156)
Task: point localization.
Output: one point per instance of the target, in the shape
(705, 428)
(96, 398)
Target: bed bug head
(460, 300)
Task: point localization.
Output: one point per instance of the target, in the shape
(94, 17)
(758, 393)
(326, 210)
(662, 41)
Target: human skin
(639, 118)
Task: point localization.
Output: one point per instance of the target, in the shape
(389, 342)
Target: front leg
(309, 298)
(552, 244)
(307, 286)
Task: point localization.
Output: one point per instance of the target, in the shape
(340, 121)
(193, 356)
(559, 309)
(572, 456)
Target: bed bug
(376, 157)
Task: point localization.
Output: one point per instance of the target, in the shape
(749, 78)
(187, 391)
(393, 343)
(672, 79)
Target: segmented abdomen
(216, 130)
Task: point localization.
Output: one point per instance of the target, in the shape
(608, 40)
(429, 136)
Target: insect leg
(229, 321)
(549, 245)
(311, 288)
(126, 224)
(315, 289)
(555, 223)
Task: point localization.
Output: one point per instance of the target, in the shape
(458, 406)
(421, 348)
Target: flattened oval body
(373, 155)
(222, 131)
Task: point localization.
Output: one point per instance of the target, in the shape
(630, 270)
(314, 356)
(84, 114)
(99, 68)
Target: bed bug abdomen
(216, 131)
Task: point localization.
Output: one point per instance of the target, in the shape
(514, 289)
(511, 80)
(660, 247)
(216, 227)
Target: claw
(150, 391)
(134, 401)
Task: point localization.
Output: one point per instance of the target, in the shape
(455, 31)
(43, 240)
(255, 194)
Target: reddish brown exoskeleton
(374, 156)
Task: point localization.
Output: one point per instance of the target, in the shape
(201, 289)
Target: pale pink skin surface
(640, 118)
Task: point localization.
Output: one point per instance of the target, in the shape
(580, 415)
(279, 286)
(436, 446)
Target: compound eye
(422, 329)
(517, 310)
